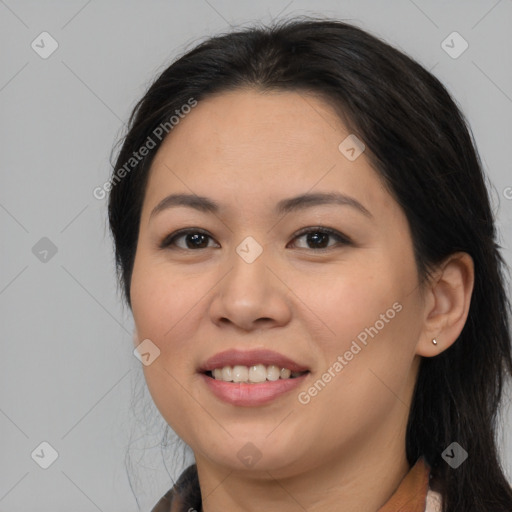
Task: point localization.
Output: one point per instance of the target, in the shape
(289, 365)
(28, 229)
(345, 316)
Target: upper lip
(249, 358)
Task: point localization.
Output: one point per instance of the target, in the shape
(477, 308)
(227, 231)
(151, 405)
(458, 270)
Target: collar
(409, 496)
(411, 493)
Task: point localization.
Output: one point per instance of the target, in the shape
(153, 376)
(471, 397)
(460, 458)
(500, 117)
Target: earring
(434, 341)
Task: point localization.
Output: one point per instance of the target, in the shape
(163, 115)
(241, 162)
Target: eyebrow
(303, 201)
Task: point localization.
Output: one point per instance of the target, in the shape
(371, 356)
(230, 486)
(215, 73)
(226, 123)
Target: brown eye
(315, 238)
(319, 238)
(193, 239)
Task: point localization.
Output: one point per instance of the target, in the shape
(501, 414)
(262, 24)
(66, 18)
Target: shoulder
(183, 496)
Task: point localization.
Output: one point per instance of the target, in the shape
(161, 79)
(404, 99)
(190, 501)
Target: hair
(420, 144)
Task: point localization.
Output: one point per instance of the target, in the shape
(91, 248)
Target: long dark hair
(419, 142)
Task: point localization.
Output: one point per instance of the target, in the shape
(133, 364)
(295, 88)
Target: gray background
(67, 372)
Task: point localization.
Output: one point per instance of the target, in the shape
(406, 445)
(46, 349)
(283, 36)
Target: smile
(253, 374)
(250, 378)
(252, 394)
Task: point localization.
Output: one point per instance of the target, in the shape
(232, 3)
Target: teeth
(273, 372)
(257, 373)
(240, 373)
(285, 373)
(253, 374)
(225, 374)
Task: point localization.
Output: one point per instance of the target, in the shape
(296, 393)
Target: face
(330, 285)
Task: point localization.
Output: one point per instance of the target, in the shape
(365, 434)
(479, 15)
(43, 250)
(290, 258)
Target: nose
(251, 296)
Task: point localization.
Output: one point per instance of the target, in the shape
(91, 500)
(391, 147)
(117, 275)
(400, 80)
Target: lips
(253, 394)
(250, 358)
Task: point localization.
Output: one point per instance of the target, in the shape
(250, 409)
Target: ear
(135, 338)
(447, 297)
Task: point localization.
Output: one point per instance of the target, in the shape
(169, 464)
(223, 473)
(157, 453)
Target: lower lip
(251, 395)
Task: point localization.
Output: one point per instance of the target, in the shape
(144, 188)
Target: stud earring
(434, 341)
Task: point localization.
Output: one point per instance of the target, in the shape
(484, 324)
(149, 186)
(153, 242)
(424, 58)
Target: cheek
(165, 309)
(349, 300)
(370, 317)
(163, 312)
(159, 299)
(377, 322)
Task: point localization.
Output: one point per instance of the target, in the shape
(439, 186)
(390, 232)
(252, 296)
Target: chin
(259, 458)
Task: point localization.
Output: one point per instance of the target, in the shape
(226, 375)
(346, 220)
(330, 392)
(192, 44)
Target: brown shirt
(409, 496)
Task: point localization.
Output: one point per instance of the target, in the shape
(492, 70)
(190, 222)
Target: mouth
(253, 374)
(251, 366)
(251, 378)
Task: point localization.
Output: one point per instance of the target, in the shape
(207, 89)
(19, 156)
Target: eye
(319, 237)
(193, 238)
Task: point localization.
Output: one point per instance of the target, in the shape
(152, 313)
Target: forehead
(247, 121)
(247, 143)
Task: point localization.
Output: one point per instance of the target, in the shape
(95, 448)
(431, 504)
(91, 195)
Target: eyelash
(170, 240)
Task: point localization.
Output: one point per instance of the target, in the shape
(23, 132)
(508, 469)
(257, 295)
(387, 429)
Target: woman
(305, 239)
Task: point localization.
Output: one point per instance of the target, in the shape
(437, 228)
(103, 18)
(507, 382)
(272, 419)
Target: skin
(247, 150)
